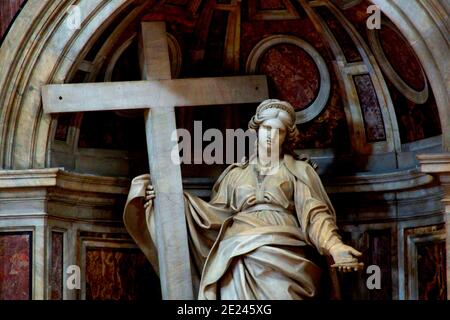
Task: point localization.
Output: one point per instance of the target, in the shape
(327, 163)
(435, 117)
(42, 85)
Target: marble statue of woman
(266, 223)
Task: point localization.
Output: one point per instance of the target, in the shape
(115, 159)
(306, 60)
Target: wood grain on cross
(158, 94)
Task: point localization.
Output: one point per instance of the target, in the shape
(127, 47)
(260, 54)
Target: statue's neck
(268, 160)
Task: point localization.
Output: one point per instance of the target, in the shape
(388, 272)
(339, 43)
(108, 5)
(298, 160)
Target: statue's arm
(319, 225)
(139, 220)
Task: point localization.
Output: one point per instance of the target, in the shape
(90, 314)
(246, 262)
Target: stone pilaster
(439, 166)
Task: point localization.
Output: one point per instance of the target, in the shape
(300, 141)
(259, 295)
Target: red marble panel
(254, 31)
(380, 249)
(415, 121)
(8, 10)
(368, 100)
(177, 18)
(358, 16)
(292, 73)
(344, 40)
(270, 5)
(397, 50)
(15, 266)
(119, 274)
(431, 269)
(401, 57)
(56, 266)
(179, 3)
(329, 129)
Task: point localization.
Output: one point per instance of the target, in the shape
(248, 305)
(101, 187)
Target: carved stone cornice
(382, 182)
(58, 193)
(57, 177)
(359, 183)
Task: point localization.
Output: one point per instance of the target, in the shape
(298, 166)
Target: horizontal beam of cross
(153, 94)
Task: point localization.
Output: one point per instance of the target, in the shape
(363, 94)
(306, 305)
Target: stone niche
(51, 219)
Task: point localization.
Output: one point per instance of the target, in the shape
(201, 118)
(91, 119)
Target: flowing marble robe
(251, 240)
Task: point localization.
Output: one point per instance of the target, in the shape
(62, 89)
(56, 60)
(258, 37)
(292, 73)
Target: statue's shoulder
(236, 167)
(302, 167)
(229, 175)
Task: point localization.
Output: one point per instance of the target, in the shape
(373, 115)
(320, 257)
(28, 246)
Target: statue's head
(274, 122)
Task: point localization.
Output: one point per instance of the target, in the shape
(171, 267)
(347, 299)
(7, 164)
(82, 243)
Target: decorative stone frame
(415, 96)
(320, 101)
(429, 235)
(280, 14)
(87, 243)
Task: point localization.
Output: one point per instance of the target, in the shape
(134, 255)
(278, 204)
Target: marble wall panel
(370, 107)
(8, 10)
(292, 73)
(15, 265)
(431, 268)
(415, 121)
(119, 274)
(56, 266)
(179, 3)
(402, 57)
(330, 127)
(346, 43)
(270, 5)
(425, 258)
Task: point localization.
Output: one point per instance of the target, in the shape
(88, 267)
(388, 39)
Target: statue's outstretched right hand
(149, 196)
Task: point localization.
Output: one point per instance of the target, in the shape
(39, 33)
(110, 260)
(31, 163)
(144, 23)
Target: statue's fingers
(355, 252)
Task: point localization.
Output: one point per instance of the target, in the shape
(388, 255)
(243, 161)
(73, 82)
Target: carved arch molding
(41, 48)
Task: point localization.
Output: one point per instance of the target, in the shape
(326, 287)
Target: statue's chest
(254, 188)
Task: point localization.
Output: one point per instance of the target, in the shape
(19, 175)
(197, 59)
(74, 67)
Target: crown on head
(277, 104)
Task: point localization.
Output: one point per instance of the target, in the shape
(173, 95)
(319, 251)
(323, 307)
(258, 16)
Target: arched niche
(41, 48)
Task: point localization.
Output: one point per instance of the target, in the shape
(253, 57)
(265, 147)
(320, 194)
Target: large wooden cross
(158, 95)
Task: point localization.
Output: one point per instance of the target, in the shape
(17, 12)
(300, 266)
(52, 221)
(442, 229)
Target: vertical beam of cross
(160, 123)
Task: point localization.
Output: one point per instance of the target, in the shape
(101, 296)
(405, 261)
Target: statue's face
(272, 133)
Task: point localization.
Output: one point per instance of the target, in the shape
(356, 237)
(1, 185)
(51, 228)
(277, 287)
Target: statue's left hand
(149, 196)
(345, 258)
